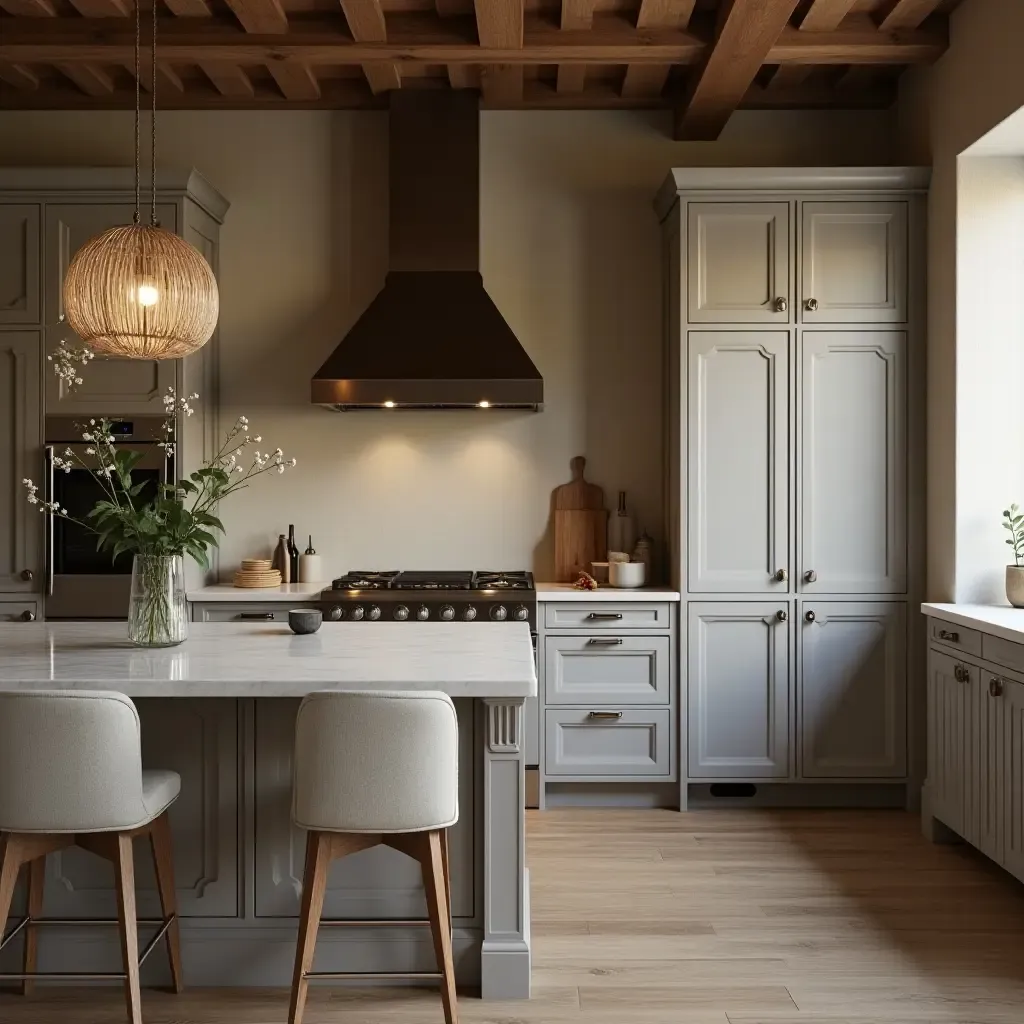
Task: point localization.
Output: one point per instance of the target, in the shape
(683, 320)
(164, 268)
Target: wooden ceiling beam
(29, 8)
(502, 85)
(576, 15)
(93, 81)
(789, 76)
(413, 39)
(167, 77)
(261, 17)
(826, 15)
(295, 79)
(366, 23)
(499, 26)
(19, 77)
(228, 79)
(744, 36)
(189, 8)
(103, 8)
(649, 79)
(905, 13)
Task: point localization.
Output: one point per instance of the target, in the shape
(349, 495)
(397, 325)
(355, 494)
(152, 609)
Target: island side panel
(505, 954)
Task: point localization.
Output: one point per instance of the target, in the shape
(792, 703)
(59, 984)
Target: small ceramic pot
(305, 620)
(626, 574)
(1015, 585)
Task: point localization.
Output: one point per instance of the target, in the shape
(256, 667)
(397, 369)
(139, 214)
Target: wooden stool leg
(447, 875)
(124, 867)
(437, 906)
(314, 884)
(163, 861)
(10, 863)
(30, 960)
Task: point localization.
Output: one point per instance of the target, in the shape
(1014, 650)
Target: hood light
(483, 405)
(389, 404)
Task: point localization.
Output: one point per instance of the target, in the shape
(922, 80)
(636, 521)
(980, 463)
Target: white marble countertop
(566, 592)
(285, 592)
(995, 619)
(265, 660)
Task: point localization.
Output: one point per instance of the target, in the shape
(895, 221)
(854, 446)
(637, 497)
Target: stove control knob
(499, 613)
(447, 613)
(521, 614)
(470, 613)
(374, 612)
(357, 612)
(401, 613)
(423, 613)
(336, 614)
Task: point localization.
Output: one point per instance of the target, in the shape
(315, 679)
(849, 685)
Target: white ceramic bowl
(626, 574)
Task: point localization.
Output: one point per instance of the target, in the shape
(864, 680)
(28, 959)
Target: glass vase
(157, 612)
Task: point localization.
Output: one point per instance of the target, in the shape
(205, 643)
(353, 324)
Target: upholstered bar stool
(71, 775)
(370, 768)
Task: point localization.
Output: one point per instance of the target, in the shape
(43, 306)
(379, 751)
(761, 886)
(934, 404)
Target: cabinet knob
(961, 674)
(810, 616)
(782, 615)
(812, 305)
(28, 616)
(810, 576)
(781, 304)
(781, 575)
(27, 575)
(995, 687)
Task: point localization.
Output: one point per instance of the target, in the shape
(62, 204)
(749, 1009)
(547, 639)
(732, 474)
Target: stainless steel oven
(81, 582)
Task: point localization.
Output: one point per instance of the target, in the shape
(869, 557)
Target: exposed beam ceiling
(744, 37)
(576, 15)
(29, 8)
(366, 23)
(229, 79)
(649, 79)
(906, 13)
(19, 77)
(103, 8)
(826, 15)
(499, 26)
(93, 81)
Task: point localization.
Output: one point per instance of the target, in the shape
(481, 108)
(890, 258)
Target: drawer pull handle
(605, 716)
(949, 634)
(259, 616)
(601, 641)
(995, 687)
(601, 616)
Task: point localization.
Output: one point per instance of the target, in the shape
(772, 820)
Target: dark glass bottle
(293, 553)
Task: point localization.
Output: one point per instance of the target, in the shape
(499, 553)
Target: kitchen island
(220, 710)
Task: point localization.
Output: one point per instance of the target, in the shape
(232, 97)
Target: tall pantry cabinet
(794, 315)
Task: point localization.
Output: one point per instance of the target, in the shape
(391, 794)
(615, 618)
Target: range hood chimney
(432, 338)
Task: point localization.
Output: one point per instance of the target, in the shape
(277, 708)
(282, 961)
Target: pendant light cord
(152, 151)
(138, 103)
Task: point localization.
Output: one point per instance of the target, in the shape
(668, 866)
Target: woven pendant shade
(140, 292)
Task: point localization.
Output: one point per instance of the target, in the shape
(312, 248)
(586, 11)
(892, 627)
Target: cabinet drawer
(627, 743)
(242, 612)
(606, 615)
(607, 670)
(19, 611)
(952, 635)
(1002, 652)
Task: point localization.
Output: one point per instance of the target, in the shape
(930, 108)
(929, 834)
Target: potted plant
(156, 529)
(1013, 520)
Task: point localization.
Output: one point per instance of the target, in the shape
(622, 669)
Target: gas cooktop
(459, 579)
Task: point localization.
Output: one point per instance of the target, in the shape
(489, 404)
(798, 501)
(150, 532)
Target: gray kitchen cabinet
(1013, 779)
(739, 259)
(604, 743)
(738, 429)
(852, 695)
(854, 262)
(853, 462)
(199, 740)
(607, 670)
(21, 457)
(986, 721)
(19, 264)
(353, 888)
(117, 386)
(243, 611)
(948, 737)
(738, 670)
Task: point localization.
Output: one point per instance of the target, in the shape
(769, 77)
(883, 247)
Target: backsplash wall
(570, 254)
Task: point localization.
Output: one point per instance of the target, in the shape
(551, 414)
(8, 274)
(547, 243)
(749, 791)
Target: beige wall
(569, 253)
(942, 111)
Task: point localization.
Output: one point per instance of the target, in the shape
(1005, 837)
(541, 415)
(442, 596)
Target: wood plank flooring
(714, 917)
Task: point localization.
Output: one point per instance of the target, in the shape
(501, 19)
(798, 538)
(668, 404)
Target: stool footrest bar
(387, 922)
(374, 975)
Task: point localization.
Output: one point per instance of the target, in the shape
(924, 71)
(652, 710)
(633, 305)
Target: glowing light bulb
(147, 295)
(484, 404)
(389, 404)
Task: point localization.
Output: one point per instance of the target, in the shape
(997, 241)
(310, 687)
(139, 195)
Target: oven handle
(48, 545)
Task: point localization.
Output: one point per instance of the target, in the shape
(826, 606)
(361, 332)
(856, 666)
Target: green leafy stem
(1013, 520)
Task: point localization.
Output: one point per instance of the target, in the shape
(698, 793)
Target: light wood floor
(726, 917)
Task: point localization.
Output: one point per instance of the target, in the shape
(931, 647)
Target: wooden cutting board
(581, 525)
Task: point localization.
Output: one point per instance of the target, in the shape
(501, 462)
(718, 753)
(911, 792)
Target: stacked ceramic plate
(256, 573)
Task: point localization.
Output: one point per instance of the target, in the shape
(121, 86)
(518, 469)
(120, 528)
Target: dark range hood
(432, 338)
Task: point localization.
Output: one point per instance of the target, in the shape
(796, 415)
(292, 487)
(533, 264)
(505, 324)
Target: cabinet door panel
(21, 456)
(199, 740)
(1013, 779)
(738, 256)
(854, 263)
(19, 264)
(947, 754)
(116, 386)
(739, 690)
(379, 882)
(738, 460)
(986, 797)
(637, 743)
(853, 691)
(853, 525)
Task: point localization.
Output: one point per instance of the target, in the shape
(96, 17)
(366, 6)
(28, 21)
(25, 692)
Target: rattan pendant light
(141, 292)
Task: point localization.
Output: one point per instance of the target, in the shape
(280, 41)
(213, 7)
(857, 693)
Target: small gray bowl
(305, 620)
